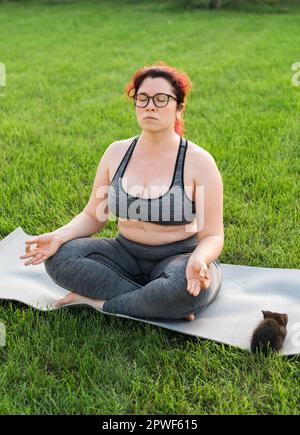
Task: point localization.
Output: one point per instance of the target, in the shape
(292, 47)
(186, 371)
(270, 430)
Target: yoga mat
(244, 292)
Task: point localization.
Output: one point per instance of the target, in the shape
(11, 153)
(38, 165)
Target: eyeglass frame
(159, 93)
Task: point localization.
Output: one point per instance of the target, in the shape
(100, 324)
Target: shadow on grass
(177, 6)
(253, 7)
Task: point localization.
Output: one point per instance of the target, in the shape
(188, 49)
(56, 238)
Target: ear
(266, 313)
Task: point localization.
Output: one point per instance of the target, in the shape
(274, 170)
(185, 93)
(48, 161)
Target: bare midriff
(139, 172)
(154, 234)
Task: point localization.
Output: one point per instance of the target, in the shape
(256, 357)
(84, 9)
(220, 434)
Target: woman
(157, 266)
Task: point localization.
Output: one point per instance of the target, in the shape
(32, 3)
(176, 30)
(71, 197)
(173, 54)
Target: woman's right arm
(95, 214)
(93, 217)
(82, 225)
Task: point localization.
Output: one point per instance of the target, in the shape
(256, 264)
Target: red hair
(179, 80)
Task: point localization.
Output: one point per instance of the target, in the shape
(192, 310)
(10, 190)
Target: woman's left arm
(210, 228)
(209, 210)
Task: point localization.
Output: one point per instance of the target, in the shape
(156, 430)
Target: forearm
(81, 225)
(209, 248)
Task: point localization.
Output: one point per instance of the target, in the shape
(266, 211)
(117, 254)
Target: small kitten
(270, 331)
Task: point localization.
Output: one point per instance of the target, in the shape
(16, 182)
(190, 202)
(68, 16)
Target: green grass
(67, 65)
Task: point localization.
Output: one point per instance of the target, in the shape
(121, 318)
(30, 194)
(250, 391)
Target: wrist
(199, 258)
(59, 235)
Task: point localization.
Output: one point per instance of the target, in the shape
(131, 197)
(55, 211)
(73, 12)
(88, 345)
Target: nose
(150, 104)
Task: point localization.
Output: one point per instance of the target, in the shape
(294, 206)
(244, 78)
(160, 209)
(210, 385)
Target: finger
(205, 283)
(32, 240)
(37, 259)
(190, 285)
(29, 250)
(38, 255)
(202, 273)
(30, 254)
(196, 288)
(30, 261)
(196, 292)
(41, 259)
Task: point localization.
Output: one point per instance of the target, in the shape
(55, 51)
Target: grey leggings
(134, 279)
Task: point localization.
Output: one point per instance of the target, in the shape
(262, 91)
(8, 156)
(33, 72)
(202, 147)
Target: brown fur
(269, 333)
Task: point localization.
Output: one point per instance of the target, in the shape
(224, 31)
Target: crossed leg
(164, 296)
(102, 273)
(76, 298)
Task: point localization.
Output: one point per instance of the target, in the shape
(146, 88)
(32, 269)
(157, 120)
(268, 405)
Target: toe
(61, 302)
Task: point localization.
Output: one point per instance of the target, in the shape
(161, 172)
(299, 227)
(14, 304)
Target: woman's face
(164, 117)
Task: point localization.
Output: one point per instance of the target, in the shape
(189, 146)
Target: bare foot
(73, 297)
(191, 317)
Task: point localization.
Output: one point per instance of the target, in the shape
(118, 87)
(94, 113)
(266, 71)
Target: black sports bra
(172, 208)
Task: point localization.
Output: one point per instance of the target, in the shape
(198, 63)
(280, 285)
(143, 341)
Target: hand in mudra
(197, 275)
(46, 246)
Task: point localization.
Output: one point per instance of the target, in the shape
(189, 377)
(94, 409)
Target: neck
(156, 142)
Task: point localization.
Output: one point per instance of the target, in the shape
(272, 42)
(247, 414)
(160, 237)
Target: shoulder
(114, 154)
(198, 154)
(117, 149)
(202, 164)
(119, 145)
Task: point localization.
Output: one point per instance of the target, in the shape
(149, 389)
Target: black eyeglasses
(159, 100)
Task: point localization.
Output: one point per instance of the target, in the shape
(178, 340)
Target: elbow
(220, 242)
(85, 213)
(221, 238)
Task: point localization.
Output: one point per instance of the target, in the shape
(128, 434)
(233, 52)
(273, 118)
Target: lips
(149, 117)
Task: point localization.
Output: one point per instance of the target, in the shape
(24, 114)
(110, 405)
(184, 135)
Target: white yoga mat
(230, 318)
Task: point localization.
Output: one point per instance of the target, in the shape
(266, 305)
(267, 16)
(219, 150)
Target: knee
(52, 264)
(62, 256)
(185, 302)
(49, 263)
(177, 285)
(177, 281)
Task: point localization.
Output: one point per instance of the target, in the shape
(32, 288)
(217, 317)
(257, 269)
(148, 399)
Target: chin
(149, 127)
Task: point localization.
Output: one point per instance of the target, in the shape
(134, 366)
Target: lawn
(67, 65)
